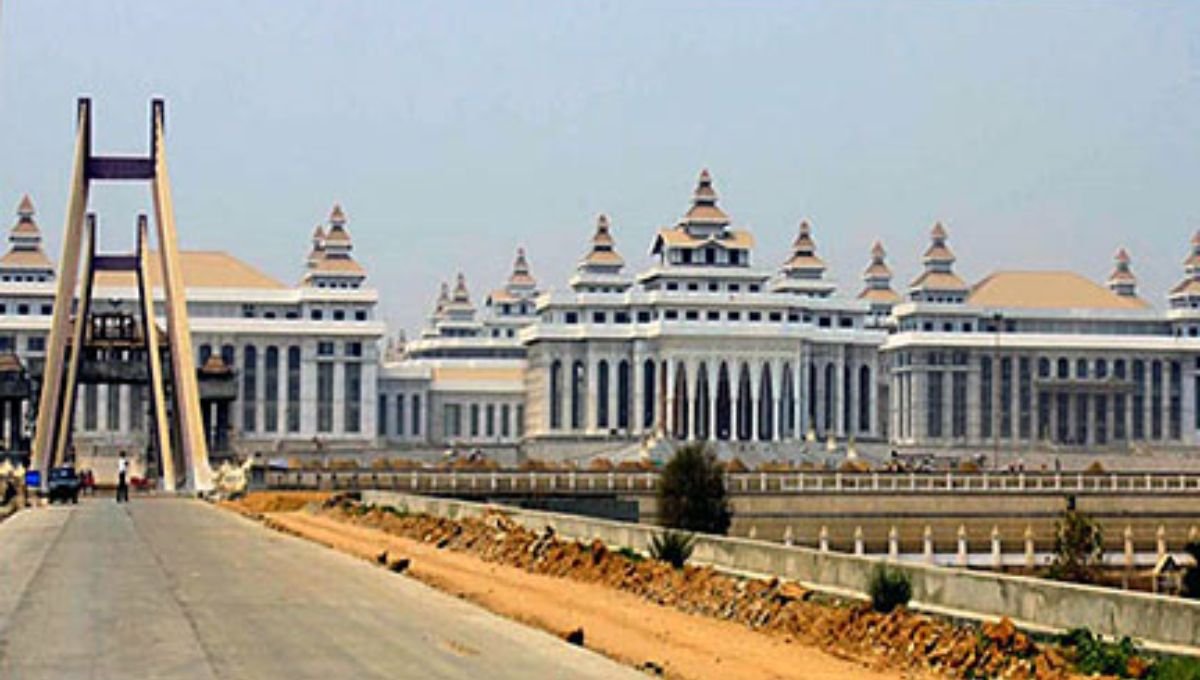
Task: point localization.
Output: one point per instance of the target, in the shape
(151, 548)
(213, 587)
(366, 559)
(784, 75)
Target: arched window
(648, 394)
(602, 394)
(766, 401)
(556, 395)
(680, 416)
(745, 421)
(724, 424)
(703, 426)
(787, 404)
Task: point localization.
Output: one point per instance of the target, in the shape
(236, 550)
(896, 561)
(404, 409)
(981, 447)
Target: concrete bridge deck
(178, 589)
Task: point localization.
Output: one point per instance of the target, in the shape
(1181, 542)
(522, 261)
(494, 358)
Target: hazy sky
(1044, 134)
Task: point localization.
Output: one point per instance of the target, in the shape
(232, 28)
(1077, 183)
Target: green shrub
(889, 588)
(1078, 548)
(691, 492)
(672, 547)
(1094, 656)
(1175, 668)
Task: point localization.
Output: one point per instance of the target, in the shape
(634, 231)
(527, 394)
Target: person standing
(122, 484)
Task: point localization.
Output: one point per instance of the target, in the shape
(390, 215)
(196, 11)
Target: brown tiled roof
(709, 214)
(678, 238)
(1047, 290)
(338, 265)
(881, 295)
(201, 269)
(25, 259)
(804, 262)
(337, 234)
(931, 280)
(604, 257)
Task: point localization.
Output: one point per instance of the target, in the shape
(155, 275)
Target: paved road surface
(178, 589)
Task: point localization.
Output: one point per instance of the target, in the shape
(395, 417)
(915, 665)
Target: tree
(691, 492)
(1078, 548)
(1191, 577)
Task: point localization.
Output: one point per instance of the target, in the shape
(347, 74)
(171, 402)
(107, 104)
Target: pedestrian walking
(122, 483)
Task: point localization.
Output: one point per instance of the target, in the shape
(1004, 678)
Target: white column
(637, 378)
(712, 370)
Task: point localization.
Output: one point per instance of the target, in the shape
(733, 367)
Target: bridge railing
(501, 482)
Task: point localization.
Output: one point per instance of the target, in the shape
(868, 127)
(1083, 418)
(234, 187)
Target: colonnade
(825, 390)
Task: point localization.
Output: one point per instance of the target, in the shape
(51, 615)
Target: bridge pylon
(79, 338)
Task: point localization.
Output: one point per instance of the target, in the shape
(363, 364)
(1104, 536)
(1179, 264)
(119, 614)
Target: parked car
(63, 484)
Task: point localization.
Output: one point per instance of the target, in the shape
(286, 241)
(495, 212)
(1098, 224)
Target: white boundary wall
(1159, 621)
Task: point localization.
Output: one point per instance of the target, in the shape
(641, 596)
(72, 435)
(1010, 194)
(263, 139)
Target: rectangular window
(505, 415)
(113, 420)
(958, 404)
(1006, 391)
(352, 412)
(400, 415)
(1156, 392)
(381, 417)
(474, 420)
(1024, 397)
(354, 349)
(933, 405)
(451, 417)
(324, 397)
(490, 420)
(1118, 426)
(293, 389)
(325, 349)
(520, 420)
(36, 344)
(271, 391)
(416, 415)
(249, 388)
(137, 408)
(985, 397)
(91, 407)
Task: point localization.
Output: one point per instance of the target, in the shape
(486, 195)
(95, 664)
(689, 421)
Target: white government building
(706, 344)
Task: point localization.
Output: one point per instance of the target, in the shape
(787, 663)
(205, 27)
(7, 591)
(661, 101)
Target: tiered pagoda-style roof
(704, 228)
(1186, 293)
(1122, 281)
(938, 283)
(25, 260)
(804, 271)
(330, 263)
(877, 280)
(600, 269)
(521, 286)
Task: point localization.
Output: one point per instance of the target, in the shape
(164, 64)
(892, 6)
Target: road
(178, 589)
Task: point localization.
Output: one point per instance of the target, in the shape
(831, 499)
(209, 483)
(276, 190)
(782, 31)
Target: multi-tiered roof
(804, 271)
(600, 269)
(330, 262)
(938, 283)
(703, 235)
(877, 281)
(25, 260)
(1122, 281)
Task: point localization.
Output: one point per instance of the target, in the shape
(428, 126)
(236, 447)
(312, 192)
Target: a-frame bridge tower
(87, 347)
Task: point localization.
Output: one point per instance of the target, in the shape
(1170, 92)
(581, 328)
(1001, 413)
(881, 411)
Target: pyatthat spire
(938, 283)
(25, 260)
(804, 262)
(704, 216)
(603, 256)
(330, 262)
(1122, 281)
(877, 279)
(521, 278)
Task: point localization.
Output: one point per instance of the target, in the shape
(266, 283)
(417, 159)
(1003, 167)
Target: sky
(1043, 134)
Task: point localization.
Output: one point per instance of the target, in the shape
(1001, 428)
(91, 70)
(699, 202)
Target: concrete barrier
(1163, 622)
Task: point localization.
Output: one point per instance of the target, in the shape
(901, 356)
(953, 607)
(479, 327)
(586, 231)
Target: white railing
(464, 482)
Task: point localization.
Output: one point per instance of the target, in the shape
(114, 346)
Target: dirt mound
(900, 639)
(275, 501)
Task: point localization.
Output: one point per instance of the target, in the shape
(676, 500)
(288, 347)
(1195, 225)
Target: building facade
(707, 343)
